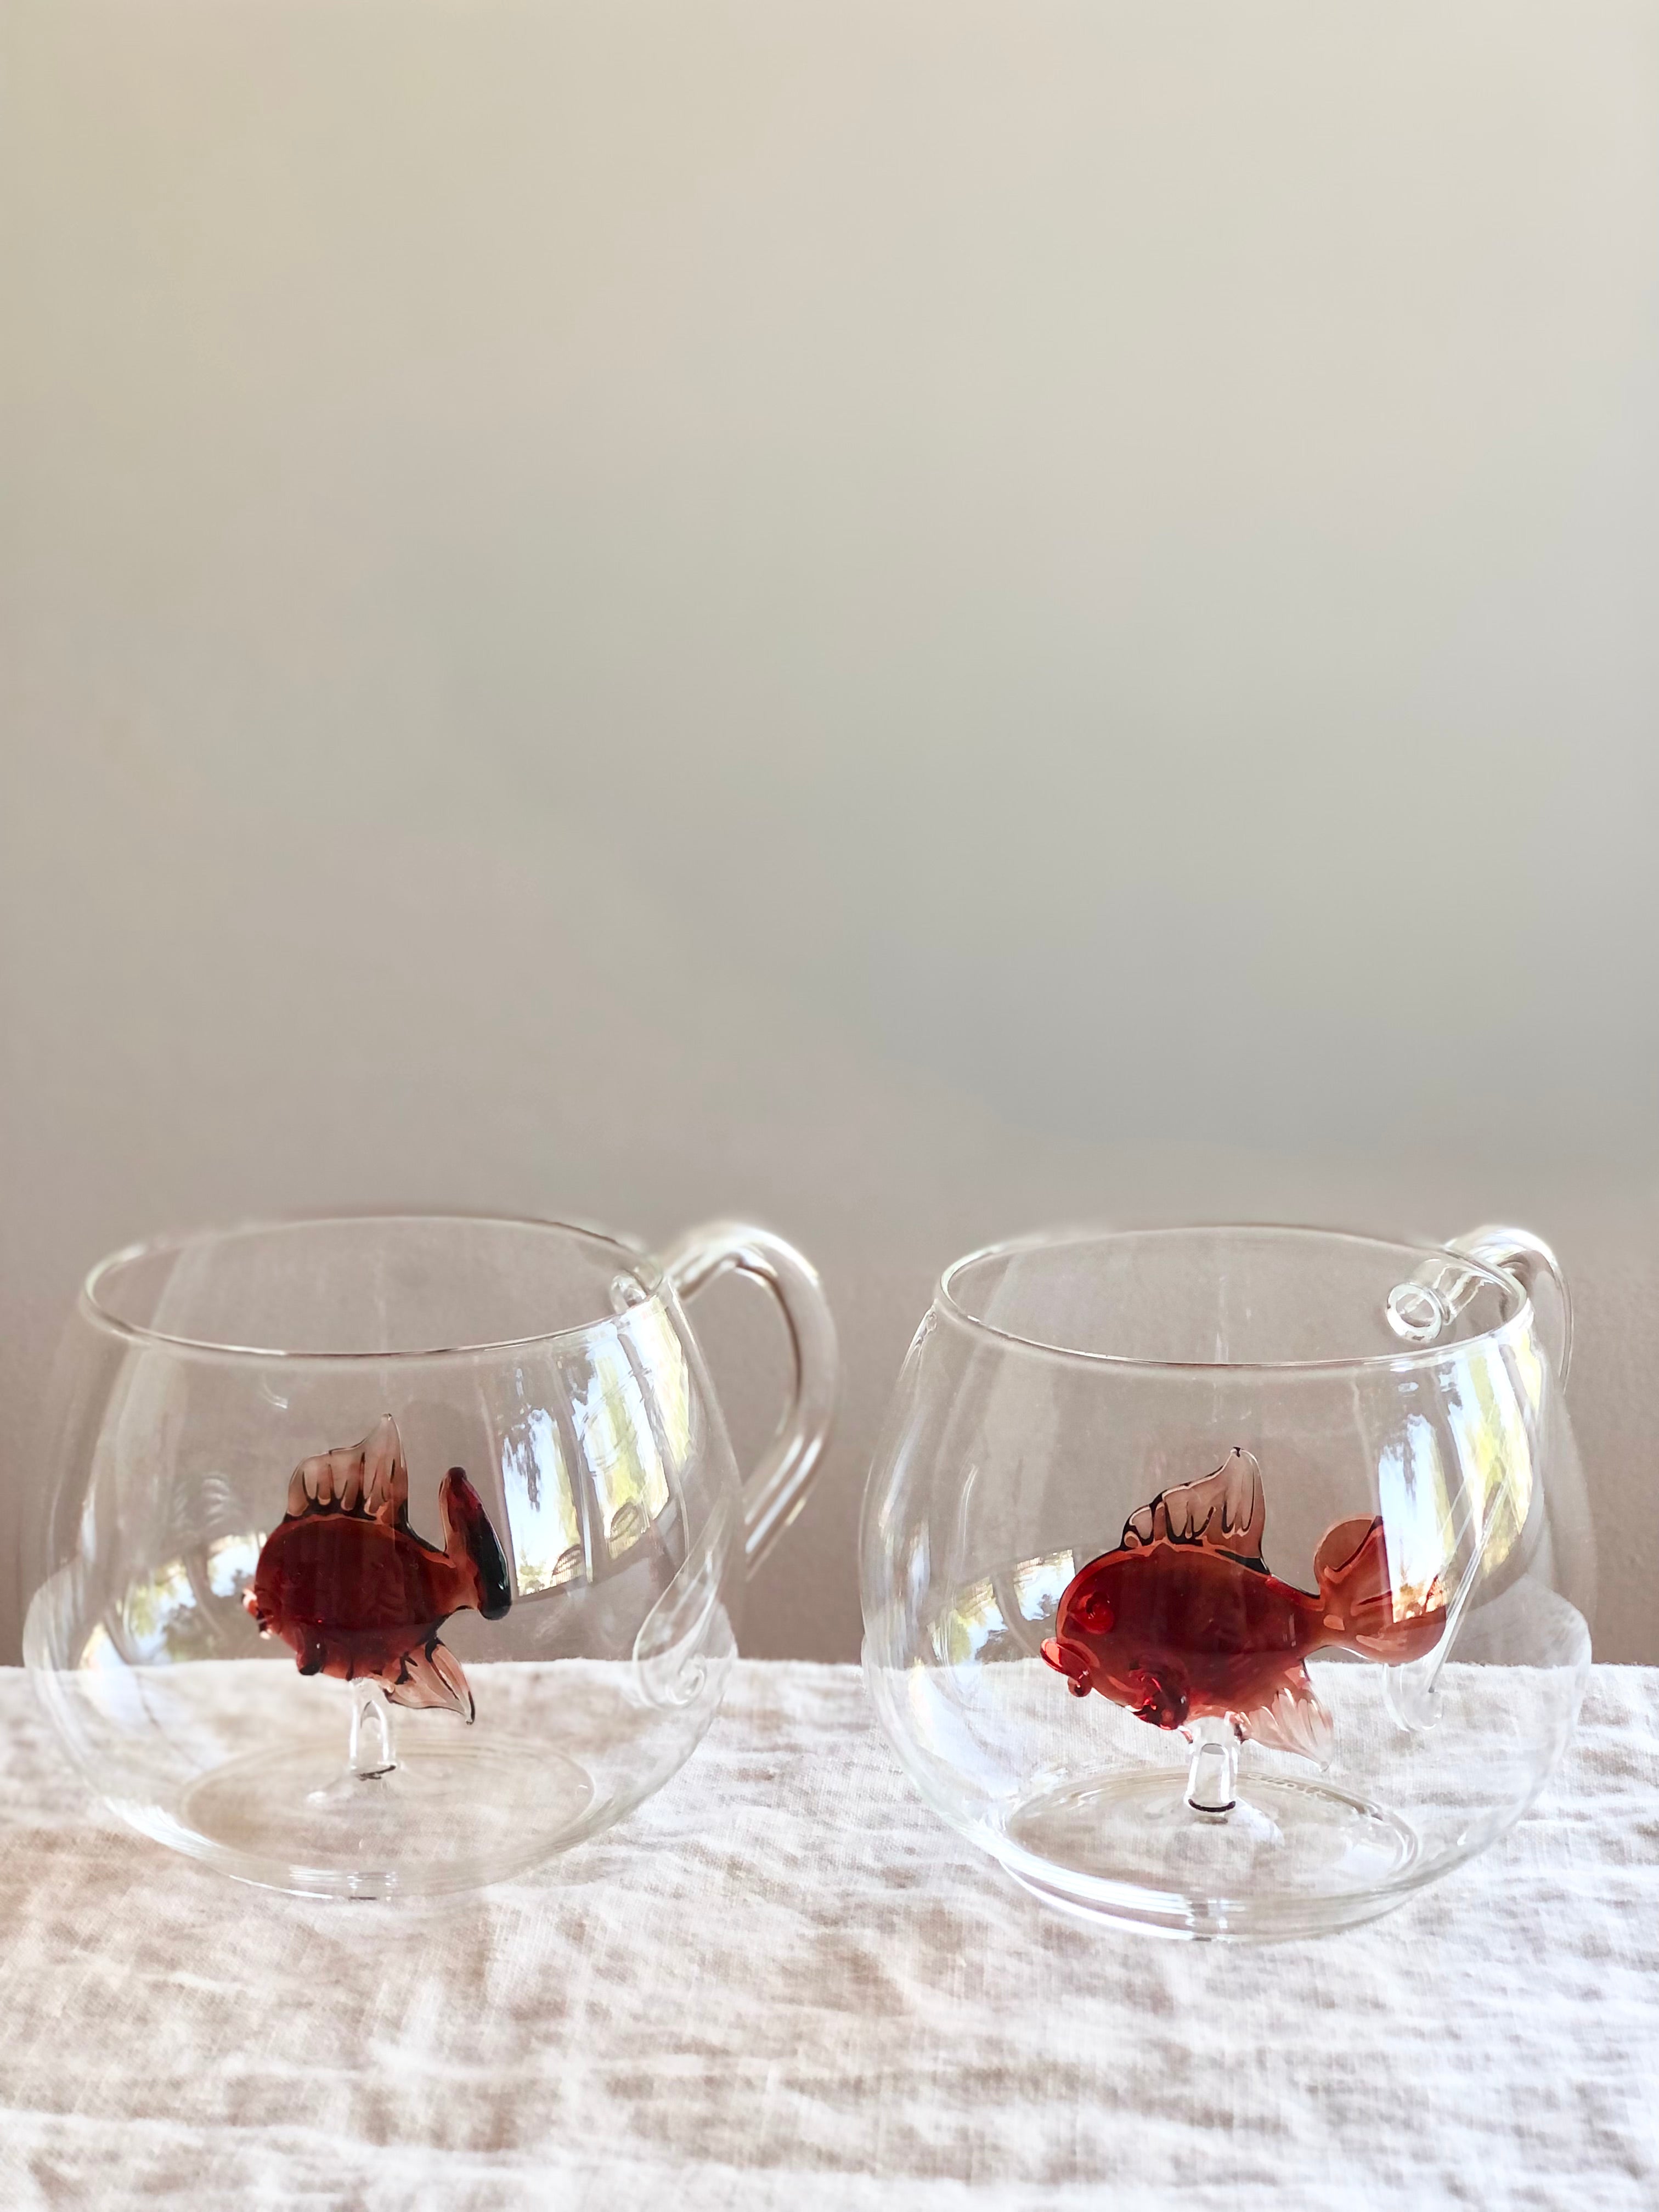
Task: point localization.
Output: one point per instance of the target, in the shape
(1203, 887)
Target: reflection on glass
(1039, 1585)
(966, 1627)
(614, 1435)
(161, 1621)
(230, 1564)
(985, 1610)
(543, 1527)
(662, 1357)
(1417, 1514)
(1528, 1372)
(1494, 1450)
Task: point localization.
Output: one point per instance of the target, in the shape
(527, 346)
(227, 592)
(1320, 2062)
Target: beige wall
(907, 616)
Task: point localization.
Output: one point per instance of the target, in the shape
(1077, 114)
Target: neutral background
(908, 616)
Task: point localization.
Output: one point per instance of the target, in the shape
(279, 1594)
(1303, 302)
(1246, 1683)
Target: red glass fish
(1184, 1620)
(357, 1593)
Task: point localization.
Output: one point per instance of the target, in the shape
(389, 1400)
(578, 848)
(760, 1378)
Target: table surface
(783, 1983)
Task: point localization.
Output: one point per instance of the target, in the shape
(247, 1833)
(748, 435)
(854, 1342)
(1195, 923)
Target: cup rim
(631, 1254)
(1517, 1324)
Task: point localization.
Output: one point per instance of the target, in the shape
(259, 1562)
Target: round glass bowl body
(394, 1554)
(1231, 1582)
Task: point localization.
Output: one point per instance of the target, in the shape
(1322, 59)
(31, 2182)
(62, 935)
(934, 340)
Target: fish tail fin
(1364, 1608)
(472, 1546)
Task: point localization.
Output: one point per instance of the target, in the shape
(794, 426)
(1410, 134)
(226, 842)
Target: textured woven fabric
(783, 1983)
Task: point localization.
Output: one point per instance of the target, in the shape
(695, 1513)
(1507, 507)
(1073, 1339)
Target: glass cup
(393, 1554)
(1232, 1582)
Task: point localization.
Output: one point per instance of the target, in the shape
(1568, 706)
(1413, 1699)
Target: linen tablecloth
(782, 1982)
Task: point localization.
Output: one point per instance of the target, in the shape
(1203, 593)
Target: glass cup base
(1288, 1859)
(296, 1818)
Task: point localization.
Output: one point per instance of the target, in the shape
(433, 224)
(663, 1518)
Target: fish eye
(1096, 1611)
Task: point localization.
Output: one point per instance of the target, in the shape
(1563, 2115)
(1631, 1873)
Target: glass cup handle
(777, 1489)
(1420, 1310)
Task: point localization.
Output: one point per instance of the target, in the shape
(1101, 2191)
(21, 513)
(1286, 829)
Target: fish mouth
(1074, 1664)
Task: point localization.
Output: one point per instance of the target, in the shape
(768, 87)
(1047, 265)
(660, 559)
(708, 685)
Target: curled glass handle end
(1529, 1260)
(1423, 1309)
(776, 1491)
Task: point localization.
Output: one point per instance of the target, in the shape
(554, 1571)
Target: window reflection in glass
(1039, 1585)
(544, 1532)
(1528, 1372)
(1417, 1515)
(1494, 1449)
(614, 1437)
(161, 1621)
(968, 1625)
(231, 1563)
(662, 1362)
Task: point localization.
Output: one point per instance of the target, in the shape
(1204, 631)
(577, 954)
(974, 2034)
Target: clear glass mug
(392, 1554)
(1232, 1582)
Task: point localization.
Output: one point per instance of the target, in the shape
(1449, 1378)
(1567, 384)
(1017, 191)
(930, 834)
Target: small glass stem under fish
(371, 1753)
(1212, 1770)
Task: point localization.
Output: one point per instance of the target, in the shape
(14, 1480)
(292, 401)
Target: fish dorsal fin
(1225, 1511)
(370, 1478)
(1294, 1721)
